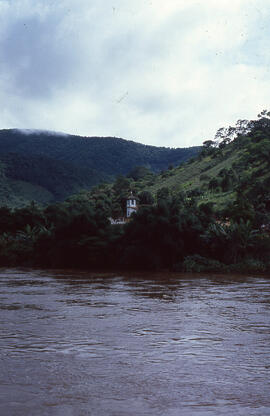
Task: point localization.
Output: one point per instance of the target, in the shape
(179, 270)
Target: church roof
(131, 196)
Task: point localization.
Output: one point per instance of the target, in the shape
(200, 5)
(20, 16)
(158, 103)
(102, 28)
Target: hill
(236, 163)
(211, 214)
(51, 166)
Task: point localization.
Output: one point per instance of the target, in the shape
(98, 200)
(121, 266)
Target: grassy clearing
(196, 175)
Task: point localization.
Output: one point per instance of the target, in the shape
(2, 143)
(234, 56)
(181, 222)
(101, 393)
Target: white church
(131, 206)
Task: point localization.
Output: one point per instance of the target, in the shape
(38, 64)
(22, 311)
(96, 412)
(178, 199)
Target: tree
(6, 220)
(163, 194)
(116, 210)
(139, 172)
(208, 143)
(213, 184)
(145, 198)
(121, 184)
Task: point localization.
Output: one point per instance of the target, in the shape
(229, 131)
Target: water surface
(78, 343)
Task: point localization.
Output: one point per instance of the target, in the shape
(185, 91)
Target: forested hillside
(210, 214)
(42, 179)
(236, 163)
(109, 155)
(54, 166)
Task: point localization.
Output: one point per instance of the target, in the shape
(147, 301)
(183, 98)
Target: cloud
(164, 73)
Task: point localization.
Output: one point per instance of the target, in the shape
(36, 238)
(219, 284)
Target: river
(81, 343)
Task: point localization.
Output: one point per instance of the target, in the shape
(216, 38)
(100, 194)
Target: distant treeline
(173, 234)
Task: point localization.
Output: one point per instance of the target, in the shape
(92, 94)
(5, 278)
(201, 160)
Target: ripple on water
(133, 345)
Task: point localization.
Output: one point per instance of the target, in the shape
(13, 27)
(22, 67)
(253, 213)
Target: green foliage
(121, 188)
(213, 184)
(160, 236)
(231, 242)
(197, 222)
(58, 177)
(145, 198)
(57, 166)
(139, 172)
(199, 264)
(163, 194)
(249, 266)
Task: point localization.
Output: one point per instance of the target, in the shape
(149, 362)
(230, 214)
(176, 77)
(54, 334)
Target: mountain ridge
(75, 162)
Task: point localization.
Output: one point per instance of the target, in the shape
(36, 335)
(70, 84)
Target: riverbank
(158, 275)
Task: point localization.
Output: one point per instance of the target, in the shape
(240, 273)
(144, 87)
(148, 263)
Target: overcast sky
(166, 73)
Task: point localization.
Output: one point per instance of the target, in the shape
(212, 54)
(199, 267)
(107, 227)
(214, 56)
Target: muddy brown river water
(81, 343)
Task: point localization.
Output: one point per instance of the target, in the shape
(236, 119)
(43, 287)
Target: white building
(117, 221)
(131, 204)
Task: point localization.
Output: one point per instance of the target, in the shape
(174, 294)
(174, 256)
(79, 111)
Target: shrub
(204, 177)
(199, 264)
(250, 266)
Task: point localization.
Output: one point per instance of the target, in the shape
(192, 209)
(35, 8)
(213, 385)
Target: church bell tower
(131, 204)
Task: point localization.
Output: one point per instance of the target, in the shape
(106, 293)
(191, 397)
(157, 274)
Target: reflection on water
(76, 343)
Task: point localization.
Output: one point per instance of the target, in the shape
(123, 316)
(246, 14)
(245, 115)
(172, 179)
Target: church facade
(131, 207)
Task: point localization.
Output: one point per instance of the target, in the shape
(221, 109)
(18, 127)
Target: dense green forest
(48, 167)
(211, 213)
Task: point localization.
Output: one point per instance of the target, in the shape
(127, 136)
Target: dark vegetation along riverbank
(211, 213)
